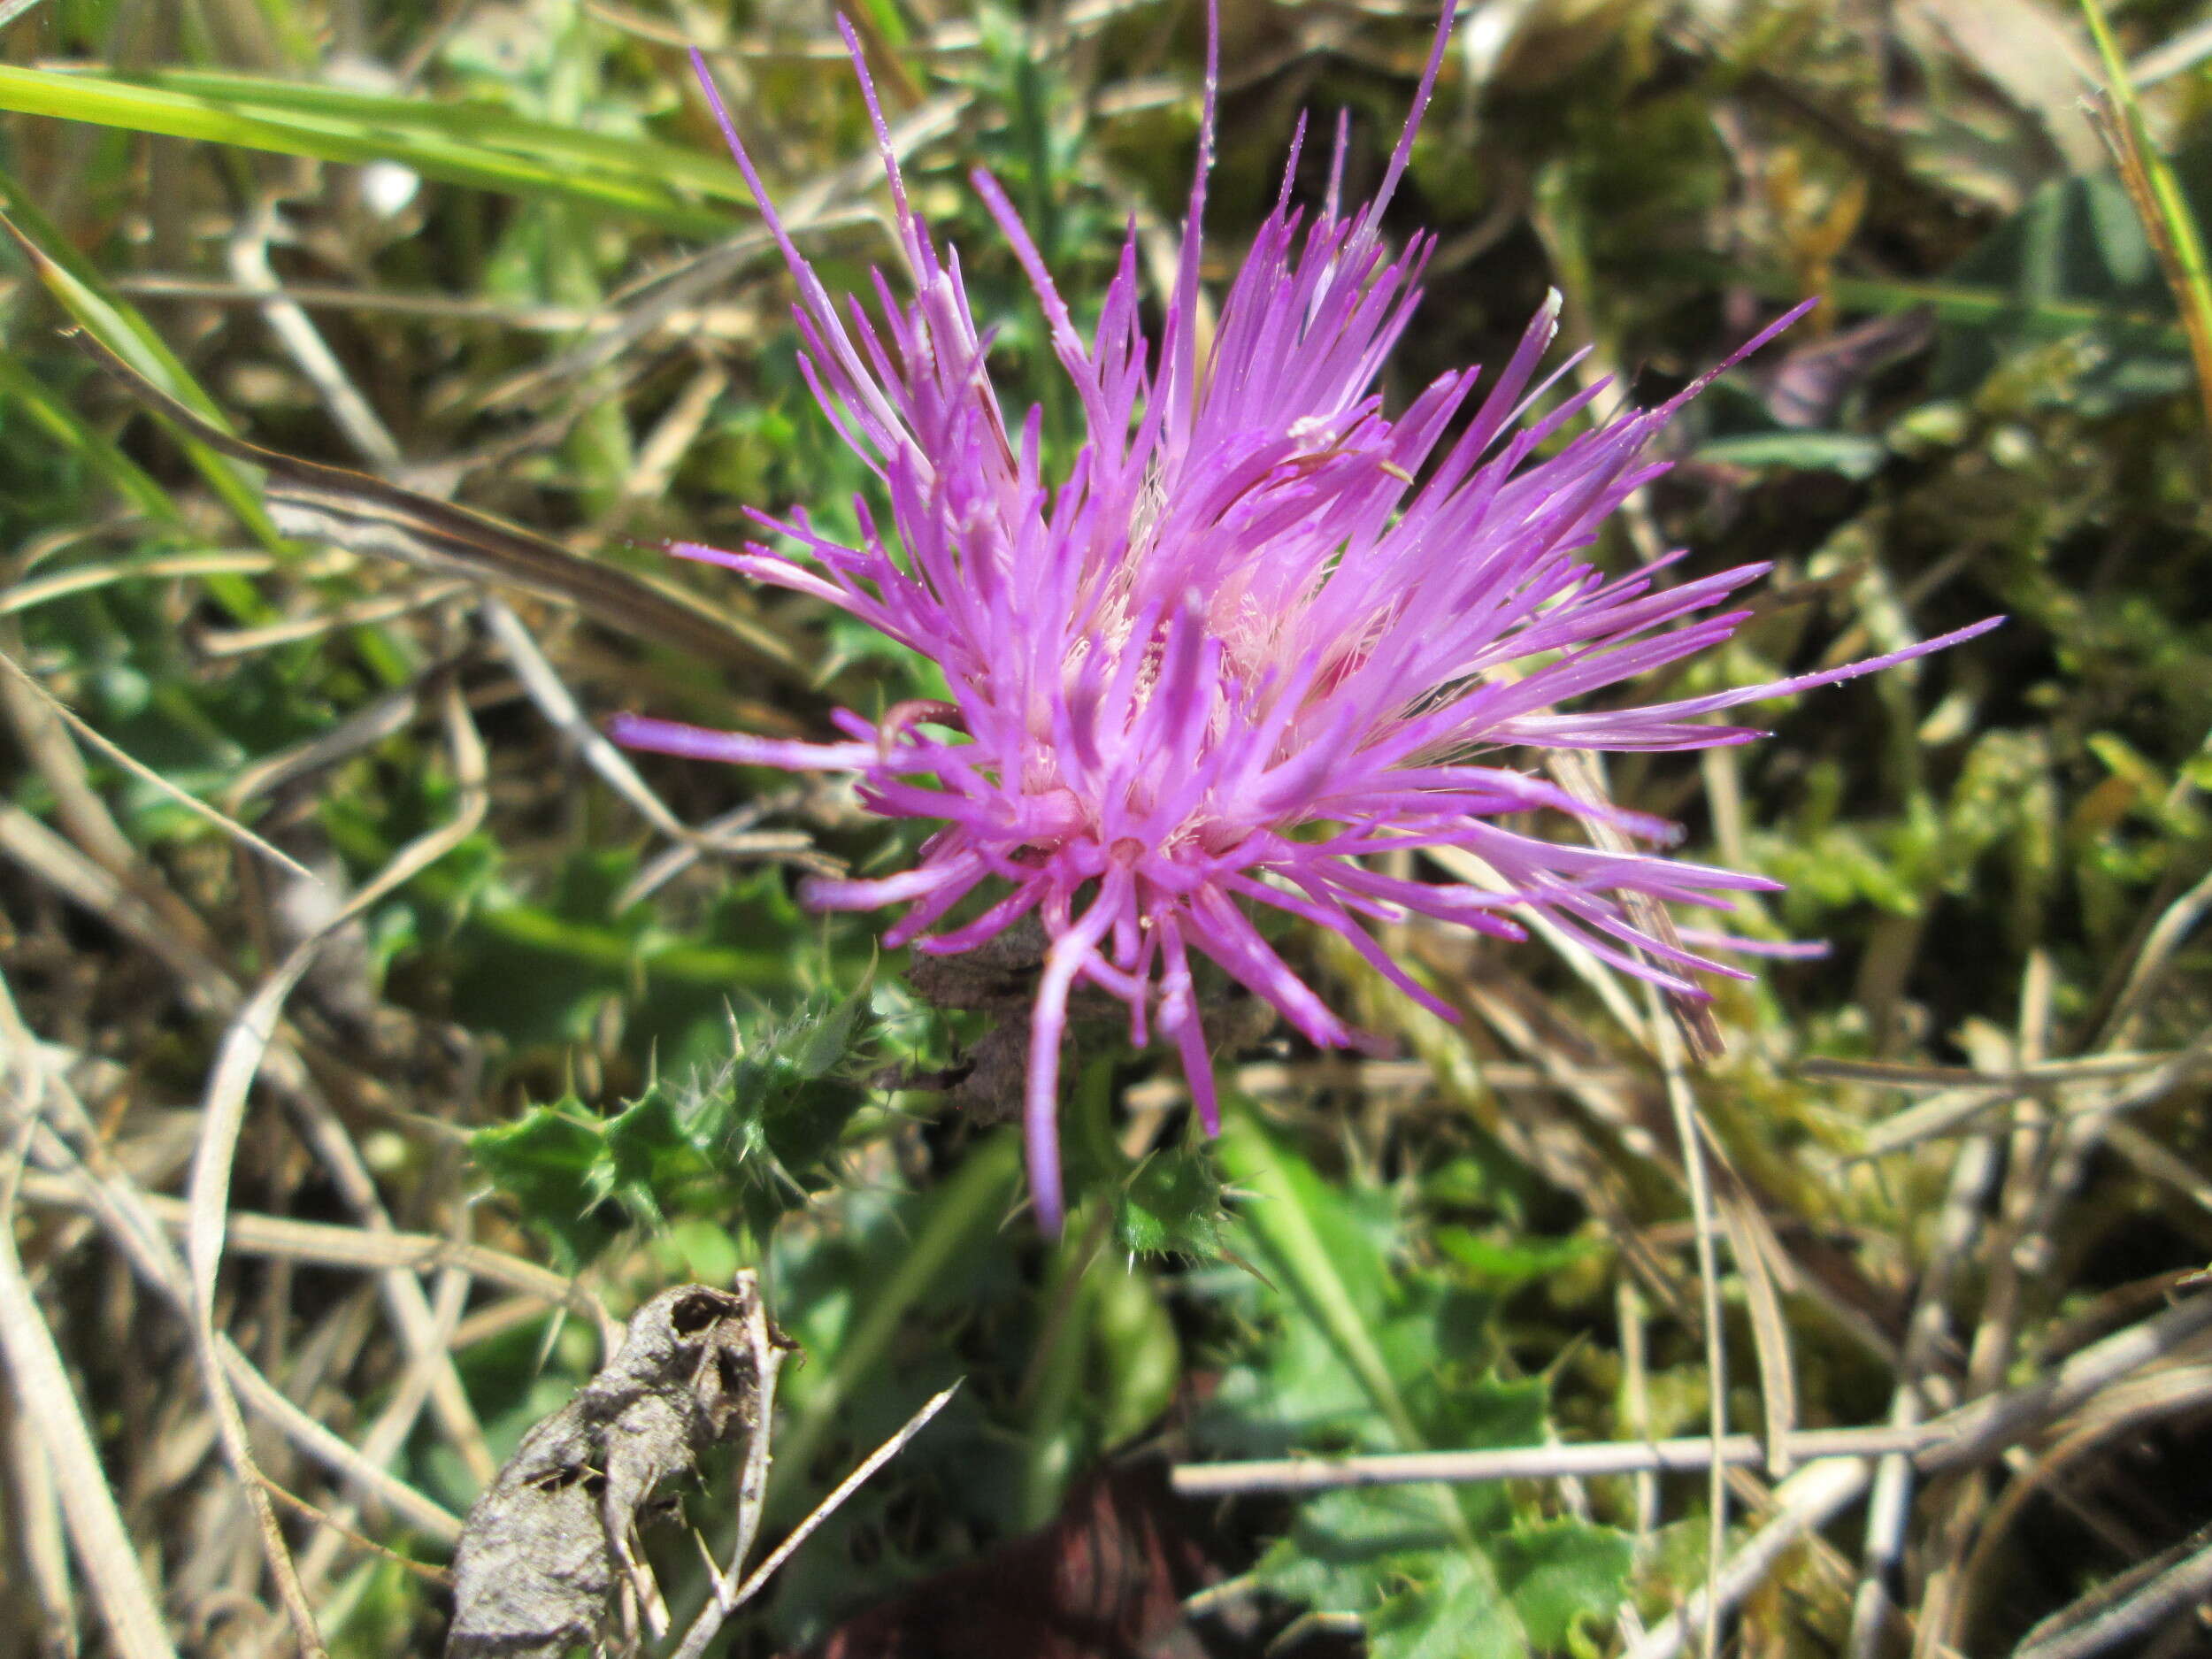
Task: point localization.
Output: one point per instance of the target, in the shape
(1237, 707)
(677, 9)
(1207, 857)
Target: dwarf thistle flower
(1259, 630)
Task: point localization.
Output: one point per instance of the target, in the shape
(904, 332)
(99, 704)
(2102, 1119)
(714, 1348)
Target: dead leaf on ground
(550, 1541)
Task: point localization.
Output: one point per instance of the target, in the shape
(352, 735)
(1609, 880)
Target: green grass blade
(535, 159)
(1297, 1221)
(481, 126)
(1292, 1222)
(67, 428)
(2159, 199)
(1963, 304)
(117, 325)
(962, 1212)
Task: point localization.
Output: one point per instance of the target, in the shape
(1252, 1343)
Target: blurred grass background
(492, 250)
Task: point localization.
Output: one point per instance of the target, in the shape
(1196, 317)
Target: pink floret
(1259, 631)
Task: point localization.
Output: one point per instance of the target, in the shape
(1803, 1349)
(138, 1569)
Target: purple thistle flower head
(1260, 630)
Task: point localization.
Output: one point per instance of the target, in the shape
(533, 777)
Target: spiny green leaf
(1382, 1553)
(545, 1160)
(1449, 1608)
(752, 1133)
(1343, 1548)
(1559, 1572)
(1172, 1206)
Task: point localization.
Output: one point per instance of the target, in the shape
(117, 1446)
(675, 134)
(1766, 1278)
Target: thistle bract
(1258, 631)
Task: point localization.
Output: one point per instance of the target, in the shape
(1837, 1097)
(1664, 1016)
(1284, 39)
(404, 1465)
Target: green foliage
(1559, 1574)
(1370, 1343)
(1172, 1206)
(2074, 262)
(1849, 454)
(1508, 1265)
(755, 1133)
(479, 147)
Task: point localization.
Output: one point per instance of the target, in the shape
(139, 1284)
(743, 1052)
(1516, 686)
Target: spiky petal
(1259, 631)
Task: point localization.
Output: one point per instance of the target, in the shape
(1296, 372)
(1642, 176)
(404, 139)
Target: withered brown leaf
(547, 1548)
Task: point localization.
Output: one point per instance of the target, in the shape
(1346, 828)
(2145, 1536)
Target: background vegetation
(491, 249)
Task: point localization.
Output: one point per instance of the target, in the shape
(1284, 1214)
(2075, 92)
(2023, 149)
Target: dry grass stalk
(99, 1539)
